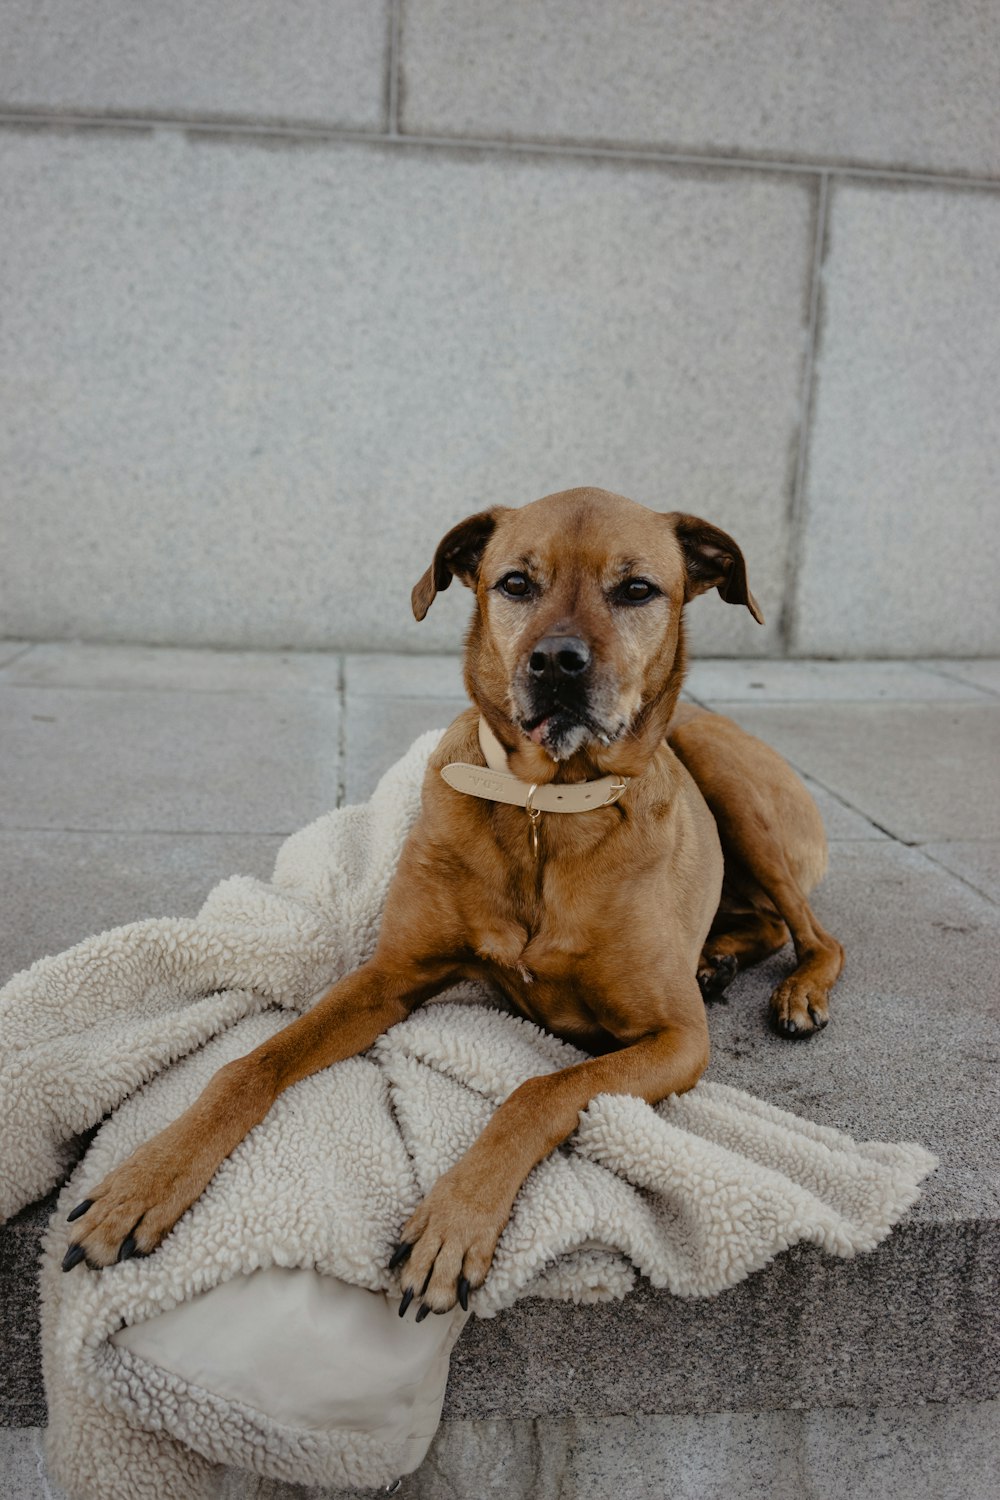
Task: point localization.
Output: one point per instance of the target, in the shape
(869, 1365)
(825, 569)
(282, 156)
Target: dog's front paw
(799, 1007)
(130, 1212)
(446, 1247)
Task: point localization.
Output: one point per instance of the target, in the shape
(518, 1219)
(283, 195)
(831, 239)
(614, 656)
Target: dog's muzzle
(553, 695)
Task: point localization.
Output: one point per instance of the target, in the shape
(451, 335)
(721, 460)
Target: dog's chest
(549, 942)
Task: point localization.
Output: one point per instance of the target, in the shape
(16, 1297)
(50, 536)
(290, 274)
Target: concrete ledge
(914, 1320)
(22, 1397)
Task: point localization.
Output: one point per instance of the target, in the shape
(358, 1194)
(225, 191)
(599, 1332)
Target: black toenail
(463, 1294)
(79, 1210)
(421, 1315)
(407, 1299)
(73, 1257)
(128, 1248)
(399, 1255)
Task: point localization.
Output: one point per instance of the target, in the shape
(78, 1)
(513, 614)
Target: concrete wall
(285, 290)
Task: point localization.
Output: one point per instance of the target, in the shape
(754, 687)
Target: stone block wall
(288, 289)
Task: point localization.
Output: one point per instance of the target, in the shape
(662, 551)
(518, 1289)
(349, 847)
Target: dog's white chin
(567, 744)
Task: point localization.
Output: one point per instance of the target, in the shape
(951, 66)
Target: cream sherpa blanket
(696, 1193)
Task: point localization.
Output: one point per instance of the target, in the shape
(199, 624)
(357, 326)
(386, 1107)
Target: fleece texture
(128, 1027)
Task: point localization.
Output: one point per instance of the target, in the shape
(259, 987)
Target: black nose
(559, 656)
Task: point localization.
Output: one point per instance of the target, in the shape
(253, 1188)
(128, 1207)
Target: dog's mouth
(562, 730)
(574, 712)
(551, 727)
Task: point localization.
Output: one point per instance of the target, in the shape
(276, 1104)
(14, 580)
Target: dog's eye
(636, 591)
(515, 585)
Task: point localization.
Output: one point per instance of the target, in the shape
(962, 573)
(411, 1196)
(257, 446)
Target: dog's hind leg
(738, 940)
(774, 848)
(800, 1004)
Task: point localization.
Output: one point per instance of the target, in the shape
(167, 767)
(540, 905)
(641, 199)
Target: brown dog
(604, 925)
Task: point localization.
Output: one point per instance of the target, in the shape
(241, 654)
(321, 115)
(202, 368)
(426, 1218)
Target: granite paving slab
(923, 772)
(823, 681)
(79, 664)
(840, 820)
(10, 650)
(380, 729)
(981, 672)
(173, 761)
(61, 887)
(387, 675)
(976, 861)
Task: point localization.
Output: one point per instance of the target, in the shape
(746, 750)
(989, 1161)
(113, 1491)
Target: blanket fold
(130, 1025)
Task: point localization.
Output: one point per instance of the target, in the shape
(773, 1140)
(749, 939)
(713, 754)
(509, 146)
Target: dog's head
(576, 646)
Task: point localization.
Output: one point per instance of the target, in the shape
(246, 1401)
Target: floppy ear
(713, 561)
(458, 556)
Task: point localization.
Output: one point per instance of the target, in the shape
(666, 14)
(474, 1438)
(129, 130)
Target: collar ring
(534, 817)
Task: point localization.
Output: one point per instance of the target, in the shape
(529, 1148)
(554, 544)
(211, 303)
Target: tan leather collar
(496, 784)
